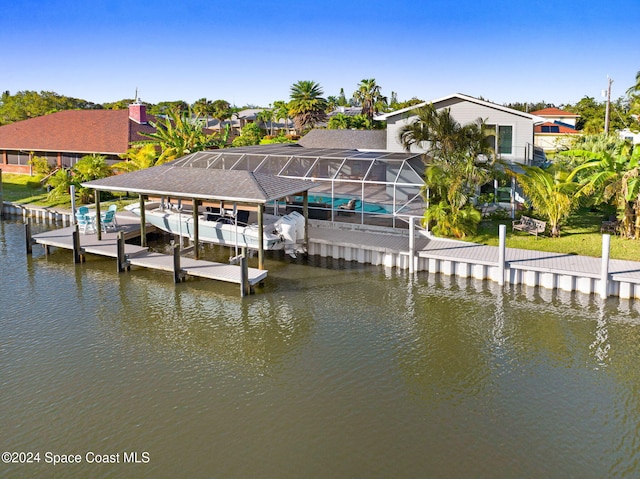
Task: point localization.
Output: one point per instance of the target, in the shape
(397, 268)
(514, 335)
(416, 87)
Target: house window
(490, 136)
(505, 140)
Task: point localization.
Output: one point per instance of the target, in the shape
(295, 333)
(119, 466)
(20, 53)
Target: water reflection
(333, 369)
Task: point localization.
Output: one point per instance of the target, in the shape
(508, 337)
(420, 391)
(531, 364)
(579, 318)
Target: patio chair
(108, 221)
(114, 208)
(85, 223)
(347, 208)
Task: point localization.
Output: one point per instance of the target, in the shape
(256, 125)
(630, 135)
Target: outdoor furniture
(610, 227)
(114, 208)
(85, 223)
(348, 208)
(108, 221)
(529, 225)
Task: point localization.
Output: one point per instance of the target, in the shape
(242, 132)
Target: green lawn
(27, 189)
(23, 188)
(580, 235)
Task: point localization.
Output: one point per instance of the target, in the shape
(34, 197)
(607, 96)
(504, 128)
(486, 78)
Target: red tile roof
(562, 129)
(554, 112)
(81, 131)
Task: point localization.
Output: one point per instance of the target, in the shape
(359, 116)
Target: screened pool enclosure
(368, 187)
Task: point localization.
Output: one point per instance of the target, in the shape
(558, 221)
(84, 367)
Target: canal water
(332, 370)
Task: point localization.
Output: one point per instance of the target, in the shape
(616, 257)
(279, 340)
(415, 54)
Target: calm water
(332, 370)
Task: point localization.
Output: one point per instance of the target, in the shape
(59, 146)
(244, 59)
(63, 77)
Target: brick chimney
(138, 112)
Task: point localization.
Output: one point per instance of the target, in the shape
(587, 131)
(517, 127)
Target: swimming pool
(374, 208)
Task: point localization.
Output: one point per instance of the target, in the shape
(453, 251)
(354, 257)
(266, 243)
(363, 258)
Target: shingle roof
(203, 183)
(554, 112)
(81, 131)
(345, 139)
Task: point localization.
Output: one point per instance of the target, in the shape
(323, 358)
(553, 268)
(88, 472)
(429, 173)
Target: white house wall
(466, 112)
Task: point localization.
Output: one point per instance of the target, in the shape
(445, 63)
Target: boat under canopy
(199, 185)
(227, 227)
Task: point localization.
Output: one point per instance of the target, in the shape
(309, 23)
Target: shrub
(40, 165)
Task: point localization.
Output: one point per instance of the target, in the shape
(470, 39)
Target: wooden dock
(129, 227)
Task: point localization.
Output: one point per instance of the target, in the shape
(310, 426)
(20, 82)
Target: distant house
(512, 137)
(250, 115)
(558, 129)
(628, 134)
(66, 136)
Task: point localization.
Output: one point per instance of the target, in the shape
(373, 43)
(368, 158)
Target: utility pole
(608, 109)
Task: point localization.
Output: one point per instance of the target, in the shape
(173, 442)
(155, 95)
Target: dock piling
(244, 274)
(502, 253)
(177, 274)
(27, 234)
(77, 257)
(123, 264)
(604, 268)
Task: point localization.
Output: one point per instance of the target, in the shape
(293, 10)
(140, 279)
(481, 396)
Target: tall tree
(137, 158)
(613, 177)
(202, 108)
(634, 97)
(30, 104)
(459, 161)
(221, 110)
(552, 193)
(281, 112)
(369, 96)
(179, 134)
(307, 106)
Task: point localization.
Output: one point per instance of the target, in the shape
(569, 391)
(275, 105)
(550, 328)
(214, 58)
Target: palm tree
(281, 112)
(266, 118)
(307, 106)
(368, 95)
(89, 167)
(138, 158)
(178, 135)
(613, 176)
(552, 193)
(221, 111)
(202, 108)
(634, 95)
(459, 161)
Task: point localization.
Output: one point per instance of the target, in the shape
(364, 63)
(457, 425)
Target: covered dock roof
(187, 180)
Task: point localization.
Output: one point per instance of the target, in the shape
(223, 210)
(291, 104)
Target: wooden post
(143, 223)
(76, 245)
(260, 236)
(412, 244)
(177, 274)
(122, 262)
(196, 230)
(305, 213)
(604, 266)
(244, 274)
(502, 251)
(27, 235)
(98, 219)
(72, 191)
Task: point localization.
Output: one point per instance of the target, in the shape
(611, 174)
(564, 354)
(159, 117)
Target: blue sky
(251, 52)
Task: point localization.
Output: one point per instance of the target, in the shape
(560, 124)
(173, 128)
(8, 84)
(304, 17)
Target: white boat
(284, 232)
